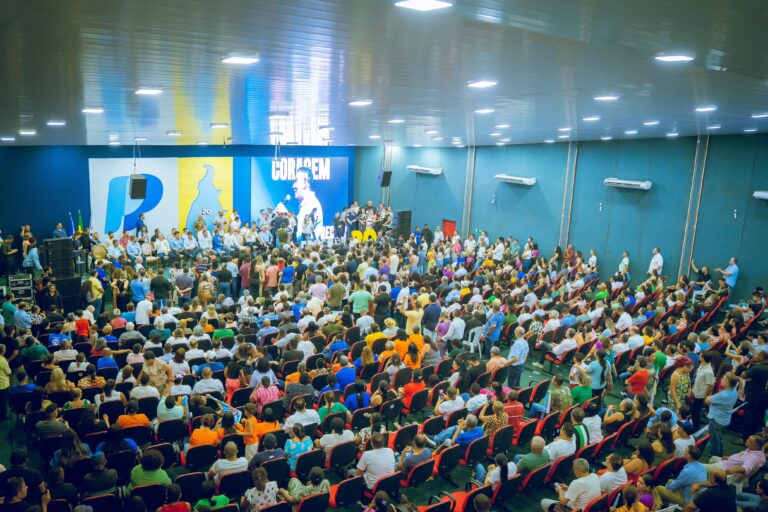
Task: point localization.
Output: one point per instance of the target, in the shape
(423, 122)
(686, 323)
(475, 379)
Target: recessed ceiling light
(374, 137)
(202, 143)
(437, 139)
(481, 84)
(714, 127)
(706, 108)
(56, 122)
(28, 132)
(590, 119)
(456, 142)
(396, 121)
(549, 141)
(672, 134)
(496, 134)
(501, 143)
(280, 114)
(431, 132)
(630, 132)
(139, 139)
(418, 145)
(606, 137)
(327, 127)
(606, 97)
(360, 103)
(460, 146)
(650, 123)
(173, 133)
(761, 115)
(503, 126)
(564, 129)
(484, 111)
(240, 59)
(149, 91)
(114, 143)
(566, 136)
(92, 110)
(423, 5)
(7, 138)
(750, 130)
(673, 58)
(219, 125)
(505, 139)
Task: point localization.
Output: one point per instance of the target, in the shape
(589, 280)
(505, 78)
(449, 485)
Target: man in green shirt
(335, 295)
(360, 299)
(33, 350)
(223, 333)
(530, 461)
(9, 309)
(207, 498)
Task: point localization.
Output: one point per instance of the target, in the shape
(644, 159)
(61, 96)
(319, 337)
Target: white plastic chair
(474, 340)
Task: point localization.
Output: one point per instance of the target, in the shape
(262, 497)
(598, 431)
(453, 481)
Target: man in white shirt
(622, 345)
(563, 445)
(557, 350)
(657, 262)
(208, 384)
(553, 322)
(319, 290)
(577, 495)
(449, 402)
(337, 435)
(364, 322)
(302, 415)
(530, 299)
(455, 328)
(615, 476)
(376, 462)
(144, 390)
(143, 308)
(597, 312)
(635, 340)
(624, 321)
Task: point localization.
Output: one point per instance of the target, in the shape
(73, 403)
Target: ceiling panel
(549, 57)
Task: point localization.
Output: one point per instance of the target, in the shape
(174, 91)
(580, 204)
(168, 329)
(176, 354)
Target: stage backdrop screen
(318, 192)
(180, 189)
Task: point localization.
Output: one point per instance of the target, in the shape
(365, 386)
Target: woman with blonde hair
(210, 313)
(58, 382)
(367, 357)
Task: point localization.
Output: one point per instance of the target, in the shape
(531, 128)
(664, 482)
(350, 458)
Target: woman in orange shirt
(132, 417)
(248, 430)
(265, 426)
(412, 358)
(227, 426)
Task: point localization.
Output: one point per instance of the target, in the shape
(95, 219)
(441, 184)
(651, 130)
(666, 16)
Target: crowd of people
(270, 349)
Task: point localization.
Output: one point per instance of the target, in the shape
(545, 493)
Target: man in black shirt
(718, 497)
(756, 379)
(32, 478)
(382, 302)
(161, 287)
(101, 480)
(225, 280)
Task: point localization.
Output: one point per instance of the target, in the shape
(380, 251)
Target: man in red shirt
(413, 387)
(515, 410)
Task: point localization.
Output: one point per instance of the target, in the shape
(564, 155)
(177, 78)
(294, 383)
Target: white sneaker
(538, 365)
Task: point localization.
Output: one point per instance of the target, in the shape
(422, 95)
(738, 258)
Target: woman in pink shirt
(264, 393)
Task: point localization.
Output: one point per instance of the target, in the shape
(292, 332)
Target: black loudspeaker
(69, 289)
(404, 223)
(384, 177)
(59, 254)
(138, 187)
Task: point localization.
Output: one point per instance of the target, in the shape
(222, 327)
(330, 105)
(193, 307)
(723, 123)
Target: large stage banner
(310, 187)
(178, 190)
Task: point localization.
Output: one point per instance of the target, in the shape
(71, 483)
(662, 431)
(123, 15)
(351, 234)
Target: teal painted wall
(607, 219)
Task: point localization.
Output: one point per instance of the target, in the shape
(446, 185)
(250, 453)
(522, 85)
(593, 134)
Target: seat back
(501, 440)
(141, 435)
(234, 485)
(153, 495)
(469, 503)
(418, 401)
(190, 484)
(112, 409)
(433, 425)
(171, 431)
(524, 395)
(420, 473)
(560, 468)
(200, 457)
(403, 437)
(148, 406)
(348, 492)
(448, 459)
(170, 457)
(547, 425)
(507, 490)
(278, 408)
(476, 450)
(277, 470)
(535, 477)
(314, 503)
(526, 433)
(234, 438)
(403, 377)
(343, 455)
(389, 483)
(241, 397)
(598, 504)
(539, 391)
(122, 462)
(308, 460)
(360, 418)
(104, 503)
(280, 506)
(390, 410)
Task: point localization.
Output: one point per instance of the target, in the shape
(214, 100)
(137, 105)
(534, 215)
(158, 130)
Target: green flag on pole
(79, 221)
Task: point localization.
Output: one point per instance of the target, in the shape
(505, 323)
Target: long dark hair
(601, 360)
(502, 462)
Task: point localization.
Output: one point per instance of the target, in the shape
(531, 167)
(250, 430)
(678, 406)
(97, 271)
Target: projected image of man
(311, 210)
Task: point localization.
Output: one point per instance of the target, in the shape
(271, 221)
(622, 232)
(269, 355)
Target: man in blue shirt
(431, 316)
(518, 354)
(466, 431)
(731, 273)
(59, 231)
(137, 290)
(720, 410)
(678, 491)
(492, 330)
(21, 318)
(346, 374)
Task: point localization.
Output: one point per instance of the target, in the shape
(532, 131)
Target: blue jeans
(487, 344)
(716, 432)
(480, 473)
(514, 375)
(535, 410)
(445, 435)
(224, 289)
(747, 499)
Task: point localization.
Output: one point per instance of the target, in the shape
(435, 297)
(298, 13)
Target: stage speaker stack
(60, 255)
(69, 288)
(401, 223)
(21, 287)
(384, 177)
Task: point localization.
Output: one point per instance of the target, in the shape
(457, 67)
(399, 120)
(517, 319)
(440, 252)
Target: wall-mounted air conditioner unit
(636, 185)
(434, 171)
(760, 194)
(517, 180)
